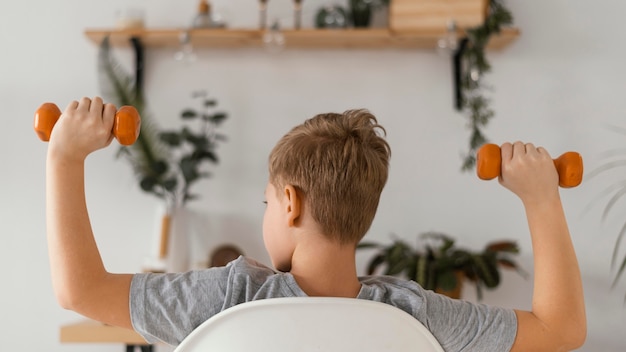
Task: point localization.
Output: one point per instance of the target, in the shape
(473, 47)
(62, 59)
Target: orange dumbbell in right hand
(126, 125)
(569, 165)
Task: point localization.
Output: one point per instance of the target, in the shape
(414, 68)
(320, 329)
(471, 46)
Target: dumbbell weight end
(45, 118)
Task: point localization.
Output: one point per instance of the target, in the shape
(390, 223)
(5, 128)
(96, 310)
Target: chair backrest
(299, 324)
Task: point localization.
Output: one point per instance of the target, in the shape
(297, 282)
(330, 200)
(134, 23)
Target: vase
(171, 241)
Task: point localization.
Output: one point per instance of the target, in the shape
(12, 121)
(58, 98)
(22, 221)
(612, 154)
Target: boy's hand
(528, 171)
(84, 127)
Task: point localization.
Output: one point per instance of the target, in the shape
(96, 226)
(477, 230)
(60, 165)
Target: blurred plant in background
(166, 162)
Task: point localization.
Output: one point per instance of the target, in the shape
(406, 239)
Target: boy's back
(326, 177)
(456, 324)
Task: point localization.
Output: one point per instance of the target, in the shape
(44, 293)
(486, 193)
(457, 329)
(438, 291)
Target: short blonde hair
(339, 163)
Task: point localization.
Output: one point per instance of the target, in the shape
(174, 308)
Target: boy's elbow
(576, 335)
(558, 333)
(66, 299)
(71, 298)
(569, 335)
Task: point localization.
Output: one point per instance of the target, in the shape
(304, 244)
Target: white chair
(302, 324)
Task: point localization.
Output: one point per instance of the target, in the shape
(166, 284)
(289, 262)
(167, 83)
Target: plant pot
(457, 290)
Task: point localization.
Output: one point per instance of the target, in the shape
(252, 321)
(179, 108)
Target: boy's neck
(324, 268)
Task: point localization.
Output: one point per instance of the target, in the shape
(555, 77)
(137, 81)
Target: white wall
(557, 86)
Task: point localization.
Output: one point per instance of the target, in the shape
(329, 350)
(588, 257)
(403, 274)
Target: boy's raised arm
(557, 320)
(80, 281)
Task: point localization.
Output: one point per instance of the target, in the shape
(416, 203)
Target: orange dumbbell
(569, 165)
(125, 126)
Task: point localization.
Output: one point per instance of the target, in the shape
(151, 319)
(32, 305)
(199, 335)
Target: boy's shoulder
(406, 294)
(254, 280)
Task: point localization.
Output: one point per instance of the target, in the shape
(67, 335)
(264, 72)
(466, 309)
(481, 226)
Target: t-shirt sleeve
(458, 325)
(167, 307)
(464, 326)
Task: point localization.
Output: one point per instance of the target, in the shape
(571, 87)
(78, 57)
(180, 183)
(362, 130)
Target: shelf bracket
(139, 65)
(457, 71)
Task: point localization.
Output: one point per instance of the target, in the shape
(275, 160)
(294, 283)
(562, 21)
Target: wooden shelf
(305, 38)
(90, 331)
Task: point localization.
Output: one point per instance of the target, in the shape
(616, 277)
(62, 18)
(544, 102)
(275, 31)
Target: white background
(558, 85)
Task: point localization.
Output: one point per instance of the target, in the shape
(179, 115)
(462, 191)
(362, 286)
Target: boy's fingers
(108, 115)
(96, 106)
(84, 104)
(542, 150)
(519, 148)
(73, 105)
(506, 151)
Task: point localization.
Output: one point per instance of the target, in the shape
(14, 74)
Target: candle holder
(185, 54)
(274, 39)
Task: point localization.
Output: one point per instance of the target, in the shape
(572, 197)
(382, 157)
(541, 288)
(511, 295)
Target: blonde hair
(339, 164)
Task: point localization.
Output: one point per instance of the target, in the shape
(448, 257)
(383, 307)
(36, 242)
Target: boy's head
(338, 163)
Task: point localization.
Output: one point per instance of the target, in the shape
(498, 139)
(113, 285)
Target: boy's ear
(293, 204)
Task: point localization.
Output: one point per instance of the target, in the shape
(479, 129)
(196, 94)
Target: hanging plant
(476, 65)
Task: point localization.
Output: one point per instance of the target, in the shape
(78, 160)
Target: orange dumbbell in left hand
(126, 125)
(569, 165)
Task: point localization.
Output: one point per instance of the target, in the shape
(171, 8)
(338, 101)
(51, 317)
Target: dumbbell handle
(569, 165)
(126, 124)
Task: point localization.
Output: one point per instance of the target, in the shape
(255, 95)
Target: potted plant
(442, 266)
(188, 148)
(166, 162)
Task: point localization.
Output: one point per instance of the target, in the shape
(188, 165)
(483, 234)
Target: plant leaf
(421, 276)
(205, 154)
(188, 114)
(487, 270)
(375, 263)
(617, 245)
(170, 184)
(364, 245)
(218, 118)
(172, 139)
(619, 194)
(619, 272)
(502, 246)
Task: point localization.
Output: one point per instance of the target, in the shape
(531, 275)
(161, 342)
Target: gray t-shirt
(167, 307)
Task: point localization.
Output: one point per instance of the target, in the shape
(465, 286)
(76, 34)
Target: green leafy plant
(613, 160)
(475, 104)
(166, 162)
(440, 265)
(190, 149)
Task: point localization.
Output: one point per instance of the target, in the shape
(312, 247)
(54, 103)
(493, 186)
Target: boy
(325, 180)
